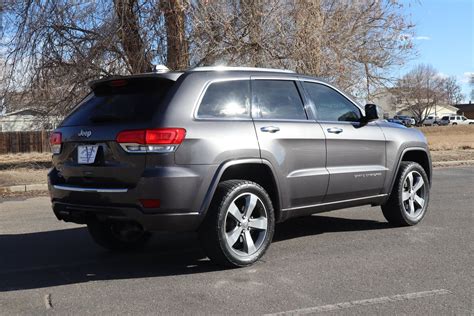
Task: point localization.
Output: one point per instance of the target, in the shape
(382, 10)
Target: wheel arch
(419, 155)
(259, 171)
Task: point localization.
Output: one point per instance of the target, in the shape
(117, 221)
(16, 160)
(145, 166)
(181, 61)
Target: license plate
(86, 154)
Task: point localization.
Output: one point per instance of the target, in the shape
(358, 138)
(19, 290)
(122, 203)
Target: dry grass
(449, 137)
(25, 160)
(22, 176)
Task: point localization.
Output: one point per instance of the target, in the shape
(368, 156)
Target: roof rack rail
(227, 68)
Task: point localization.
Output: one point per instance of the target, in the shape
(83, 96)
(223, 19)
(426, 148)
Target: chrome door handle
(335, 130)
(270, 129)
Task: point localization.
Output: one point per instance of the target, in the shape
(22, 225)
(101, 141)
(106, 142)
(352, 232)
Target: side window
(330, 104)
(226, 99)
(278, 99)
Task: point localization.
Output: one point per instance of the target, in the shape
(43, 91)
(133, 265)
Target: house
(438, 110)
(392, 105)
(466, 109)
(27, 120)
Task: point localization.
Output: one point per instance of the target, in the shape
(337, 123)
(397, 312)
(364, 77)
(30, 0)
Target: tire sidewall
(222, 212)
(413, 167)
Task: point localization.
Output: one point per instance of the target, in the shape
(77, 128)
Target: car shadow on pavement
(314, 225)
(61, 257)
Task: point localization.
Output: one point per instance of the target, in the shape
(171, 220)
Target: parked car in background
(407, 121)
(431, 120)
(455, 120)
(391, 120)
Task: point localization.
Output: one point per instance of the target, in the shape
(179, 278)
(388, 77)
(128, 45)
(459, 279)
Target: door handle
(335, 130)
(270, 129)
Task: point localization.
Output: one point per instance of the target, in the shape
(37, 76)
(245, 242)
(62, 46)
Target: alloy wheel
(414, 195)
(246, 224)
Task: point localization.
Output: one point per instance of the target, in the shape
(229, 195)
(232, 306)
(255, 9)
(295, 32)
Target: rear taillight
(55, 140)
(160, 140)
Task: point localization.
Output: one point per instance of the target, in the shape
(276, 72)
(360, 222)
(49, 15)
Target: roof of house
(466, 107)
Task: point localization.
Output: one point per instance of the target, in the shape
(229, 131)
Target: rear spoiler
(173, 76)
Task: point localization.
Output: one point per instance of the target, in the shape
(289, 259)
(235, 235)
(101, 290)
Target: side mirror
(371, 113)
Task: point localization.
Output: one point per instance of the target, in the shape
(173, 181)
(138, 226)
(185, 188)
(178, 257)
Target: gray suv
(228, 153)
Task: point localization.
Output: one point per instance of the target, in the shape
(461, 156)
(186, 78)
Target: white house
(27, 120)
(439, 110)
(392, 105)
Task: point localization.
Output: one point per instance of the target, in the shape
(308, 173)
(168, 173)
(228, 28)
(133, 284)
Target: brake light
(118, 83)
(55, 140)
(160, 140)
(150, 203)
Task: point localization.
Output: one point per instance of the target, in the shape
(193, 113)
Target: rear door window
(135, 100)
(278, 99)
(226, 100)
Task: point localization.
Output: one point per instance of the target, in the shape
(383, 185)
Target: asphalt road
(345, 262)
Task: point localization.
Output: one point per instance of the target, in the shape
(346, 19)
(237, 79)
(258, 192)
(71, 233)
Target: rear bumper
(80, 214)
(180, 189)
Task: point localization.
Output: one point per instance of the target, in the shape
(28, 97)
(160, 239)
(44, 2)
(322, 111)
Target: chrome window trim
(95, 190)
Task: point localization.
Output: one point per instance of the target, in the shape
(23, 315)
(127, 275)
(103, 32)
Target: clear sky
(444, 37)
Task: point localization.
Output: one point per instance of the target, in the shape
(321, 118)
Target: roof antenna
(160, 69)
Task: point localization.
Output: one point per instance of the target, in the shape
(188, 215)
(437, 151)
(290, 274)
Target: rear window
(135, 100)
(445, 118)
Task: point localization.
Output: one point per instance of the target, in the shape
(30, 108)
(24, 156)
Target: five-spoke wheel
(246, 224)
(410, 195)
(239, 226)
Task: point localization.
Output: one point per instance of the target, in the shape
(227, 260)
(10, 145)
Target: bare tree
(421, 90)
(53, 48)
(451, 89)
(177, 43)
(471, 82)
(128, 31)
(346, 42)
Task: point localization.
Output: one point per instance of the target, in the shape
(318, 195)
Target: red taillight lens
(150, 203)
(55, 140)
(132, 137)
(160, 136)
(165, 136)
(160, 140)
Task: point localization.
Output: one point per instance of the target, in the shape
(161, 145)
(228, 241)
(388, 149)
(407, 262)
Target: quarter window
(226, 99)
(330, 104)
(278, 99)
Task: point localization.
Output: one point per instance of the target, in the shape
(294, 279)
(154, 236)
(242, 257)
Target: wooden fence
(24, 142)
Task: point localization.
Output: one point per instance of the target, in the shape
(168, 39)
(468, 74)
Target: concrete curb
(24, 188)
(452, 163)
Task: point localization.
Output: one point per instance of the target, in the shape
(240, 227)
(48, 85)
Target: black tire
(212, 232)
(455, 123)
(395, 210)
(118, 236)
